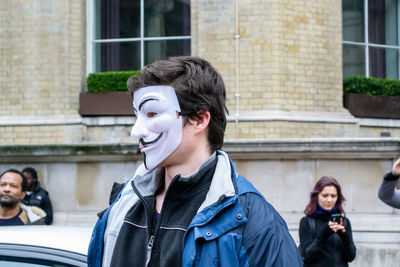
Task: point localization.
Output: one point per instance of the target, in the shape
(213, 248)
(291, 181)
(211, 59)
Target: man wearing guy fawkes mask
(186, 205)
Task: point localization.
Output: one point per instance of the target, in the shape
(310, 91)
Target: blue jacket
(236, 226)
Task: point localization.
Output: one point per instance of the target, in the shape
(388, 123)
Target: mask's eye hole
(151, 114)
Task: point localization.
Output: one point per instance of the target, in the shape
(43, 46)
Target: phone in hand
(335, 217)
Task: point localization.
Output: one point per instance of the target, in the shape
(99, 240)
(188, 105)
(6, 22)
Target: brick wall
(289, 60)
(290, 52)
(41, 51)
(287, 129)
(41, 134)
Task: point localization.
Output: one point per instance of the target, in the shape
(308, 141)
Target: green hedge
(109, 81)
(371, 86)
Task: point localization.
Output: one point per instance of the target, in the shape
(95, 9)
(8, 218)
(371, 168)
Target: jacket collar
(222, 184)
(222, 196)
(148, 183)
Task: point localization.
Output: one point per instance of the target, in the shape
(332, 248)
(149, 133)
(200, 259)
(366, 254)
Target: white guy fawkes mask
(158, 123)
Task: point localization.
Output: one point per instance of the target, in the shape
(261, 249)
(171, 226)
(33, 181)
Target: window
(371, 42)
(128, 34)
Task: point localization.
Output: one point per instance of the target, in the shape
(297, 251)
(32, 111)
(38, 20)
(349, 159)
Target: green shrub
(109, 81)
(371, 86)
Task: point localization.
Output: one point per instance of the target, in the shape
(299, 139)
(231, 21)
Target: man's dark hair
(32, 171)
(24, 183)
(198, 87)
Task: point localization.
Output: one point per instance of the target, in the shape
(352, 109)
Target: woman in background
(325, 233)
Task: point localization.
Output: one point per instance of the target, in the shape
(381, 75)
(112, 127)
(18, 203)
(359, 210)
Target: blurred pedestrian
(36, 195)
(12, 190)
(388, 192)
(325, 233)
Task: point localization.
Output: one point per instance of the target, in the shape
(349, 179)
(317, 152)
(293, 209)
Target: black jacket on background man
(40, 198)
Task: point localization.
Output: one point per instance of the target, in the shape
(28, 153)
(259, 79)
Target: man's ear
(202, 120)
(23, 195)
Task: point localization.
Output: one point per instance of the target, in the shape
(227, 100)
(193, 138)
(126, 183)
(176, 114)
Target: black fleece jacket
(323, 247)
(182, 200)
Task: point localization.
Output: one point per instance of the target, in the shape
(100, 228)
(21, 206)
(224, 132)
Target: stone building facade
(282, 65)
(285, 83)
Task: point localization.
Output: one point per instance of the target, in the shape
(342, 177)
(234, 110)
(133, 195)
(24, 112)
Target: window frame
(91, 41)
(366, 44)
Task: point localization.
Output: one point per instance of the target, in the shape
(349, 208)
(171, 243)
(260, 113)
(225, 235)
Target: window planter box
(106, 104)
(372, 106)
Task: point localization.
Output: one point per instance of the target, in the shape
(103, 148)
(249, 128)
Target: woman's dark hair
(198, 87)
(319, 186)
(24, 183)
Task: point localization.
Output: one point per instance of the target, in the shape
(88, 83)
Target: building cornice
(320, 148)
(315, 148)
(294, 116)
(244, 116)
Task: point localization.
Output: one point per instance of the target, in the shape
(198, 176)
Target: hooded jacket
(40, 198)
(234, 226)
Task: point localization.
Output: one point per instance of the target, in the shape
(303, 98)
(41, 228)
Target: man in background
(12, 190)
(35, 195)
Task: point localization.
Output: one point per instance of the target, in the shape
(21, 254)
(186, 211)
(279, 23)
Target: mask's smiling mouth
(143, 144)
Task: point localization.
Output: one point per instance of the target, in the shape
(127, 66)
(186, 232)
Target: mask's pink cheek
(161, 123)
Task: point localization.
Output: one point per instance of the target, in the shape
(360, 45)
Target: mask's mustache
(144, 143)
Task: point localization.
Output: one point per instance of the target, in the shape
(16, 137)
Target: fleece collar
(221, 186)
(148, 183)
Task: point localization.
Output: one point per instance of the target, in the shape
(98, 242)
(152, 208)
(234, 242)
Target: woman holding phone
(325, 234)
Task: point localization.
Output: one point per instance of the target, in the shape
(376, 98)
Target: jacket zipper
(152, 234)
(150, 224)
(149, 247)
(153, 228)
